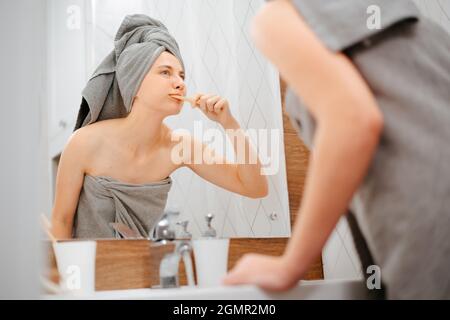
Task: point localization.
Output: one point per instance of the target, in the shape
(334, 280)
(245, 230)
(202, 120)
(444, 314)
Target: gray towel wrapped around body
(109, 94)
(104, 200)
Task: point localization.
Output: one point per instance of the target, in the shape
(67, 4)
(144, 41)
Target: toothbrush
(193, 102)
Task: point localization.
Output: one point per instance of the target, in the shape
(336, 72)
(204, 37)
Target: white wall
(22, 29)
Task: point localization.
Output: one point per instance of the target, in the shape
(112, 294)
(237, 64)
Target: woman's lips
(177, 97)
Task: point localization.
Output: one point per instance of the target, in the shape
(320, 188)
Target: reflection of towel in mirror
(110, 91)
(104, 200)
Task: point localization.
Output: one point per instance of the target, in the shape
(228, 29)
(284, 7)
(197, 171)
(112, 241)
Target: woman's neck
(142, 129)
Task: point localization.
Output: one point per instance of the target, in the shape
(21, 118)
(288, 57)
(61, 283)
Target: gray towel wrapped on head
(110, 91)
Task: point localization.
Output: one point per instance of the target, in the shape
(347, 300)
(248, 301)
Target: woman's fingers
(210, 103)
(196, 99)
(202, 101)
(219, 105)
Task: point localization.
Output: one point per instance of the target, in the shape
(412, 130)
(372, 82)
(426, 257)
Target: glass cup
(211, 260)
(76, 265)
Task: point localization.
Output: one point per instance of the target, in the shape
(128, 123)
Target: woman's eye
(165, 72)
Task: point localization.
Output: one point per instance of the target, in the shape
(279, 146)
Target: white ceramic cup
(76, 265)
(211, 260)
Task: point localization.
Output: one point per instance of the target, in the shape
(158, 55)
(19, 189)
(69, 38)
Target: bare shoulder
(84, 139)
(174, 136)
(182, 146)
(86, 142)
(266, 30)
(272, 10)
(185, 148)
(92, 136)
(177, 136)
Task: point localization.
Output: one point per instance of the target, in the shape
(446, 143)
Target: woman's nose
(179, 84)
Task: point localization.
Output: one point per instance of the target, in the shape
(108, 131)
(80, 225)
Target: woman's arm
(69, 181)
(349, 125)
(244, 176)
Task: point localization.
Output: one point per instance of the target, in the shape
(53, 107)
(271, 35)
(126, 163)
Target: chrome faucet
(169, 266)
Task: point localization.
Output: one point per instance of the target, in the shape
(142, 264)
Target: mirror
(220, 58)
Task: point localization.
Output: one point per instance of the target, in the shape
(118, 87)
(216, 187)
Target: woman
(376, 114)
(118, 169)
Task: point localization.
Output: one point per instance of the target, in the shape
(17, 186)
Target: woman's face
(165, 77)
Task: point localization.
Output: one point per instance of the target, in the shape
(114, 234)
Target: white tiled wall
(339, 257)
(340, 260)
(219, 58)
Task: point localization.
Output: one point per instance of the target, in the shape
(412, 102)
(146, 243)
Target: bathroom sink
(306, 290)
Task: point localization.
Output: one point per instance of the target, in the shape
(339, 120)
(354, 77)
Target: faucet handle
(209, 218)
(210, 231)
(163, 231)
(184, 232)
